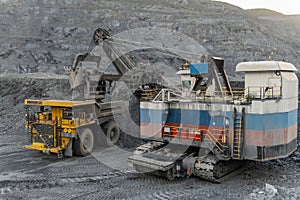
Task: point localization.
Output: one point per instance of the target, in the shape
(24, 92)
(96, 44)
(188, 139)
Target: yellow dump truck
(70, 128)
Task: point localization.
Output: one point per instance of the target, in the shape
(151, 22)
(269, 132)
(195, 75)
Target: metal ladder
(238, 134)
(223, 82)
(29, 135)
(220, 83)
(39, 132)
(60, 154)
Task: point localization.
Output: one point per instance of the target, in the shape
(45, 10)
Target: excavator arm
(85, 78)
(123, 63)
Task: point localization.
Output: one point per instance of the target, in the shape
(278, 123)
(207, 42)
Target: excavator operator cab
(192, 76)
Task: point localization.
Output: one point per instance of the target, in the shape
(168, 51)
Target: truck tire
(112, 132)
(84, 144)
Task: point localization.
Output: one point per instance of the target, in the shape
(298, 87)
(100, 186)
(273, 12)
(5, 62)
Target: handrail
(248, 93)
(265, 92)
(209, 134)
(216, 140)
(169, 93)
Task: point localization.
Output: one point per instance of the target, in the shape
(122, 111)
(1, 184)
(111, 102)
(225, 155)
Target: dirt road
(32, 175)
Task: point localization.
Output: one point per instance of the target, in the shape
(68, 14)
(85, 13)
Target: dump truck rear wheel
(84, 144)
(112, 132)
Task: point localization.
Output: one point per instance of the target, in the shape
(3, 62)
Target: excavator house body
(258, 123)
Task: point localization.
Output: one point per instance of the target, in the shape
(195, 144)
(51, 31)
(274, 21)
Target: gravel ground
(26, 174)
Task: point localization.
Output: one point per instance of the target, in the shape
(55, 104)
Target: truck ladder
(39, 130)
(238, 134)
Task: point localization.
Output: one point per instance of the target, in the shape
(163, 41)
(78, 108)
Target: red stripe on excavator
(271, 137)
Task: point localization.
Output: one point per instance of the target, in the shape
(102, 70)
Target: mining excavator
(208, 129)
(72, 127)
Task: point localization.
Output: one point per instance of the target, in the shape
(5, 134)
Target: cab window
(186, 84)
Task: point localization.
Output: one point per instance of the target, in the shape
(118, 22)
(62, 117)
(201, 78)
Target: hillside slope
(43, 36)
(258, 12)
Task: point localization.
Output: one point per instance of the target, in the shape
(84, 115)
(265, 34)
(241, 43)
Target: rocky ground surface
(26, 174)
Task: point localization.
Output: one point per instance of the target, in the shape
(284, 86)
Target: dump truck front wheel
(112, 132)
(84, 144)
